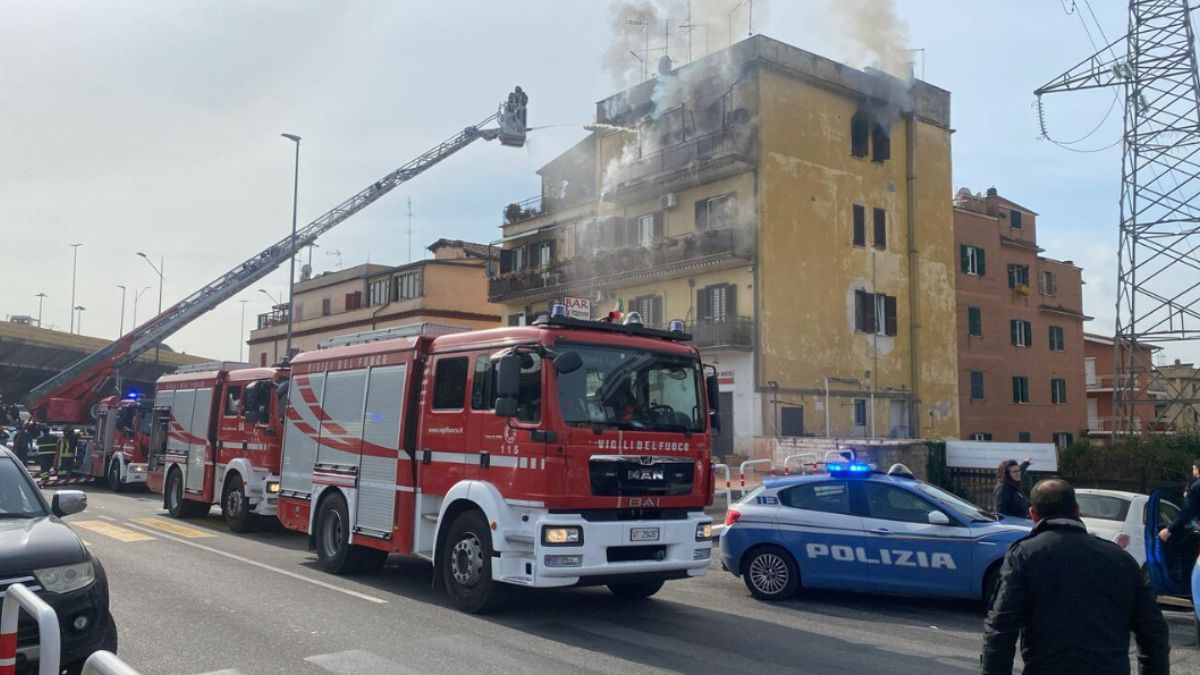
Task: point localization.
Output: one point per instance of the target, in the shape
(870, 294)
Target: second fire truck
(559, 454)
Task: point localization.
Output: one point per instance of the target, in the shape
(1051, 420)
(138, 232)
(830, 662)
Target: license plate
(643, 534)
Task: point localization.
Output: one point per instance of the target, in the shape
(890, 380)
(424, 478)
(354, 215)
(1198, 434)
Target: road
(191, 597)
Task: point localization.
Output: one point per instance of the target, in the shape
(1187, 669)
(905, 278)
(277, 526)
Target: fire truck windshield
(632, 389)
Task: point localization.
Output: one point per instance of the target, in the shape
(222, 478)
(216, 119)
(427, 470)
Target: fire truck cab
(118, 451)
(559, 454)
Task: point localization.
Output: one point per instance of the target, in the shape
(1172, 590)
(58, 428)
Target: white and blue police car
(857, 529)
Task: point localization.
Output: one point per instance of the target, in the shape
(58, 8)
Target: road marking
(173, 528)
(113, 531)
(356, 661)
(255, 563)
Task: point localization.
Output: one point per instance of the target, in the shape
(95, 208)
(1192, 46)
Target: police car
(857, 529)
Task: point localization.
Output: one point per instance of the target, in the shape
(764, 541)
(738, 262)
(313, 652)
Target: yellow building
(447, 292)
(793, 211)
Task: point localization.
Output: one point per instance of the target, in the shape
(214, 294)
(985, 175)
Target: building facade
(1098, 372)
(1020, 328)
(791, 210)
(1180, 383)
(448, 291)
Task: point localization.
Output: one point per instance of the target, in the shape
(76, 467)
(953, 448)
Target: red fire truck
(563, 453)
(217, 442)
(118, 451)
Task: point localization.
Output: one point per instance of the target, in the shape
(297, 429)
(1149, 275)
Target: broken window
(881, 144)
(860, 225)
(860, 129)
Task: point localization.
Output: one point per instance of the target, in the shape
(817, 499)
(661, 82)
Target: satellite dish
(305, 272)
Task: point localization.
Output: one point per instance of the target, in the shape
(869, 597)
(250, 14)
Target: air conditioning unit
(669, 200)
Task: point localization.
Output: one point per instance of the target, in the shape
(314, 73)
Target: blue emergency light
(558, 311)
(847, 468)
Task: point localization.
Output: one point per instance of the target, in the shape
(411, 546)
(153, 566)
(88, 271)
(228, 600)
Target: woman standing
(1007, 497)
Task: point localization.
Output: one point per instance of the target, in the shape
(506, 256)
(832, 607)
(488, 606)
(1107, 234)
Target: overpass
(30, 355)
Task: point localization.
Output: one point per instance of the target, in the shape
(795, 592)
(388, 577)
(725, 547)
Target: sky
(153, 126)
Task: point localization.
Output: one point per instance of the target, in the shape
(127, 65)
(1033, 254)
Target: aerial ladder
(68, 398)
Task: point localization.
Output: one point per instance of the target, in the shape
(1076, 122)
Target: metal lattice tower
(1158, 268)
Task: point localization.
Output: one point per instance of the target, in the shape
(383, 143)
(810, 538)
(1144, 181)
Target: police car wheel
(770, 573)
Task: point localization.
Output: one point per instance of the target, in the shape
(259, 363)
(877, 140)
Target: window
(972, 260)
(874, 313)
(450, 384)
(881, 144)
(1063, 439)
(716, 303)
(860, 129)
(976, 385)
(1047, 283)
(1022, 436)
(981, 436)
(791, 420)
(880, 238)
(299, 312)
(1058, 390)
(716, 212)
(887, 502)
(1018, 275)
(1056, 339)
(647, 229)
(408, 285)
(860, 225)
(262, 360)
(516, 319)
(1014, 219)
(543, 255)
(482, 389)
(833, 497)
(377, 292)
(974, 322)
(650, 307)
(1021, 333)
(326, 306)
(353, 300)
(860, 412)
(233, 401)
(1020, 389)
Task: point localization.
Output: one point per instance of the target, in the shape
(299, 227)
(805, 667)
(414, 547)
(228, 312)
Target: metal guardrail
(18, 597)
(790, 459)
(728, 491)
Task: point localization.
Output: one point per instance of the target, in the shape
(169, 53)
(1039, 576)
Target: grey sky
(154, 126)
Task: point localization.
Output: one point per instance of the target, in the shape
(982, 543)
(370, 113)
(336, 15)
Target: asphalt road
(191, 597)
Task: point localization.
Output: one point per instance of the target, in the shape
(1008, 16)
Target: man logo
(895, 557)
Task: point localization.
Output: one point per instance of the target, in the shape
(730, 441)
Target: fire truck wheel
(636, 591)
(177, 506)
(466, 557)
(336, 553)
(235, 508)
(114, 476)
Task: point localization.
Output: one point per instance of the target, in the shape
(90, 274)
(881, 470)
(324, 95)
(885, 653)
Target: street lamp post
(121, 330)
(159, 271)
(41, 297)
(137, 296)
(79, 322)
(292, 246)
(74, 266)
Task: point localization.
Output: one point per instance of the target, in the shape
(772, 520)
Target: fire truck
(118, 451)
(563, 453)
(217, 440)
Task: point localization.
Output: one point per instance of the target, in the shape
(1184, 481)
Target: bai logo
(895, 557)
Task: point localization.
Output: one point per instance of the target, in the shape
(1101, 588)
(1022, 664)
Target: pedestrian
(1007, 499)
(1073, 599)
(1191, 506)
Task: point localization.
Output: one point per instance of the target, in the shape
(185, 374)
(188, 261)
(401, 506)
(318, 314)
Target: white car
(1120, 517)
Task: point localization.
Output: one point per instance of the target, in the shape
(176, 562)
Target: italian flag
(617, 312)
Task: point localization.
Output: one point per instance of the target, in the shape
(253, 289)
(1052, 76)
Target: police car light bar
(848, 467)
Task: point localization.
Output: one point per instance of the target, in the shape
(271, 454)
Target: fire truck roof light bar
(624, 329)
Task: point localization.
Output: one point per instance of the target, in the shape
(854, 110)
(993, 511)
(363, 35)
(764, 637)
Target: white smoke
(873, 32)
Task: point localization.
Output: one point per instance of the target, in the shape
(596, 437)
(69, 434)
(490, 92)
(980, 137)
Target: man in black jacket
(1073, 598)
(1191, 507)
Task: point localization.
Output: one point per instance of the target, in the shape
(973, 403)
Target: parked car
(860, 530)
(45, 555)
(1120, 517)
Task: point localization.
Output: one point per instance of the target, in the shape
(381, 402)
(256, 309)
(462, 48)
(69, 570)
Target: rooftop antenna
(691, 27)
(912, 64)
(645, 26)
(410, 230)
(339, 256)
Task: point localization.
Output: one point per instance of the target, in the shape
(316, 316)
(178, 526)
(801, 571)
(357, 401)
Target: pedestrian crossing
(136, 529)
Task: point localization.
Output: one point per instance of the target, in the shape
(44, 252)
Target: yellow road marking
(173, 528)
(110, 530)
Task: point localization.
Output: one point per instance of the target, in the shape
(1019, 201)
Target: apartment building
(448, 292)
(1180, 384)
(791, 210)
(1098, 369)
(1020, 327)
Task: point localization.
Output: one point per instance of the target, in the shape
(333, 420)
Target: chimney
(991, 192)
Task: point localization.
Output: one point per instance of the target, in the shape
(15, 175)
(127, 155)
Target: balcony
(616, 267)
(736, 332)
(1155, 386)
(540, 205)
(693, 158)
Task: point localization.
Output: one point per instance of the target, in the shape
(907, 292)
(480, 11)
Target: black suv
(39, 550)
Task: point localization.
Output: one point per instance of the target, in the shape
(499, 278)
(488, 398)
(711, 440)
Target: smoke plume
(872, 29)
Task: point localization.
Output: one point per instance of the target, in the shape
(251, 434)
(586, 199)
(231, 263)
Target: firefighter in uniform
(47, 450)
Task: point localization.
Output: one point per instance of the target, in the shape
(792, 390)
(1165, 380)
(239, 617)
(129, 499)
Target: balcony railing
(734, 332)
(612, 265)
(278, 317)
(734, 141)
(527, 209)
(1146, 382)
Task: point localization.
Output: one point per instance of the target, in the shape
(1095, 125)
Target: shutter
(506, 261)
(631, 232)
(860, 225)
(860, 309)
(869, 312)
(702, 215)
(1028, 334)
(1016, 390)
(889, 315)
(656, 307)
(980, 267)
(701, 305)
(1012, 329)
(658, 225)
(880, 229)
(963, 257)
(730, 302)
